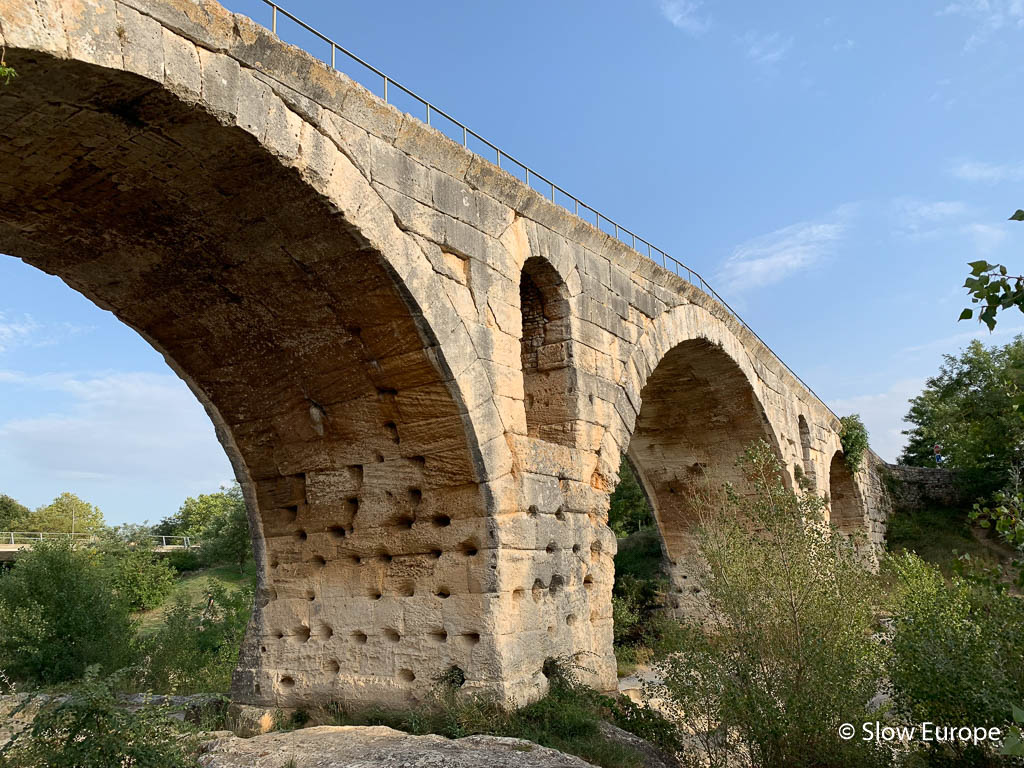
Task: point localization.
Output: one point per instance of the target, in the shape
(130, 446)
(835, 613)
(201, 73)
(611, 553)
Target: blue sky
(828, 167)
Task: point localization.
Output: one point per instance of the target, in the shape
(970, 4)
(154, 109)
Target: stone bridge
(423, 371)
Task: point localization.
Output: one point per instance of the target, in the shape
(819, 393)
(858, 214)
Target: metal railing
(14, 538)
(653, 252)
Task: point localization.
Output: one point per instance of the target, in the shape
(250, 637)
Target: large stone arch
(700, 405)
(186, 195)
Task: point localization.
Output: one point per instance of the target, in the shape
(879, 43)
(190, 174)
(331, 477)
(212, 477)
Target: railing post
(273, 22)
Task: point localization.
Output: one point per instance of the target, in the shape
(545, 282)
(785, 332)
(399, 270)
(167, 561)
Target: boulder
(379, 747)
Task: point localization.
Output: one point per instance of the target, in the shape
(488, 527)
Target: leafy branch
(991, 286)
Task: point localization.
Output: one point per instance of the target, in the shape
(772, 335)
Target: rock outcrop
(362, 747)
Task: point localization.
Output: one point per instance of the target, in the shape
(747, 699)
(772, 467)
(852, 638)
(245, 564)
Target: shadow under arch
(549, 377)
(315, 364)
(846, 509)
(699, 413)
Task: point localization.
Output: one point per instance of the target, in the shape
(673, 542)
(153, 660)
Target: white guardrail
(23, 538)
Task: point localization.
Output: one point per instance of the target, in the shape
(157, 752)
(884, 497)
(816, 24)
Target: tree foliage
(136, 572)
(11, 513)
(65, 514)
(955, 654)
(93, 729)
(196, 648)
(60, 613)
(225, 537)
(990, 286)
(969, 409)
(197, 513)
(786, 654)
(629, 510)
(854, 438)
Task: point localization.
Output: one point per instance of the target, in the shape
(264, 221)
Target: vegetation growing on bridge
(854, 438)
(6, 73)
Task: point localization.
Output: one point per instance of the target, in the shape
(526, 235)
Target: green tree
(196, 513)
(136, 572)
(196, 648)
(629, 510)
(955, 654)
(11, 513)
(60, 613)
(969, 409)
(65, 514)
(225, 538)
(784, 655)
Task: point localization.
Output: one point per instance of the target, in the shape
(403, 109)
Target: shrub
(184, 560)
(138, 574)
(90, 728)
(60, 613)
(196, 648)
(955, 654)
(786, 655)
(854, 437)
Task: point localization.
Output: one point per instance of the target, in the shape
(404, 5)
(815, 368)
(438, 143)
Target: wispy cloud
(883, 414)
(770, 258)
(990, 17)
(917, 218)
(686, 15)
(15, 332)
(113, 427)
(986, 237)
(974, 170)
(959, 340)
(25, 331)
(765, 50)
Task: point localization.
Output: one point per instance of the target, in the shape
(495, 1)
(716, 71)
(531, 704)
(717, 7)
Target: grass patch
(195, 586)
(567, 719)
(938, 535)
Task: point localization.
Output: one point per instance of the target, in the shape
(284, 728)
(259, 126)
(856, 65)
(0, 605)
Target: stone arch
(846, 508)
(805, 453)
(243, 245)
(549, 379)
(700, 407)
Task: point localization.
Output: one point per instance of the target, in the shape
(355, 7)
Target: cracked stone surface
(358, 747)
(423, 372)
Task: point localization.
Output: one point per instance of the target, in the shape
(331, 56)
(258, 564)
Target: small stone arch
(845, 504)
(549, 378)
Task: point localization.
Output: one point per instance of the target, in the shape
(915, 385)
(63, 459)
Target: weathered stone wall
(915, 488)
(341, 286)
